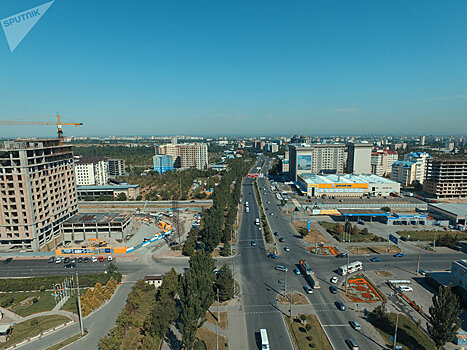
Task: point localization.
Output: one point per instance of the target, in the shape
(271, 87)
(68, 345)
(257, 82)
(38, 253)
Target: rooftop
(90, 159)
(106, 187)
(458, 209)
(346, 179)
(100, 218)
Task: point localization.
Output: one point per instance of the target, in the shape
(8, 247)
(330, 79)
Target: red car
(101, 258)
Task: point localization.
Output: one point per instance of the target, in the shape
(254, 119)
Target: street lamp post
(347, 272)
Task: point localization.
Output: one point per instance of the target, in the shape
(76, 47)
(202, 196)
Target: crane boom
(58, 123)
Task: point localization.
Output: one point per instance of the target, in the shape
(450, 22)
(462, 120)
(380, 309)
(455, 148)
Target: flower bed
(359, 290)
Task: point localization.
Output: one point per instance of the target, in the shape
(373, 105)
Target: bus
(264, 339)
(352, 267)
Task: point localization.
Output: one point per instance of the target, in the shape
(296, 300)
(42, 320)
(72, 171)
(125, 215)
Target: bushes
(47, 282)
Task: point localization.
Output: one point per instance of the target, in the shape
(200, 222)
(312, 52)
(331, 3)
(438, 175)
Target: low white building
(93, 170)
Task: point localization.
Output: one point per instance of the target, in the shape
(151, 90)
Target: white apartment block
(382, 160)
(186, 155)
(421, 158)
(92, 170)
(38, 193)
(359, 158)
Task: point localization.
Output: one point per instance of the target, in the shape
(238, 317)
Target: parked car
(80, 259)
(101, 258)
(7, 260)
(93, 259)
(361, 222)
(341, 255)
(308, 289)
(340, 305)
(333, 289)
(281, 268)
(73, 260)
(51, 260)
(334, 279)
(282, 239)
(58, 260)
(376, 259)
(109, 258)
(355, 325)
(296, 271)
(398, 255)
(422, 272)
(287, 249)
(66, 260)
(86, 259)
(405, 289)
(404, 239)
(352, 344)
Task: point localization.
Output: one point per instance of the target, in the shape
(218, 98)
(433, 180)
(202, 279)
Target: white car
(405, 289)
(334, 279)
(58, 260)
(94, 259)
(109, 258)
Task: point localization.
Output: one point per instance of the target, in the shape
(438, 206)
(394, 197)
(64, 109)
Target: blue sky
(239, 67)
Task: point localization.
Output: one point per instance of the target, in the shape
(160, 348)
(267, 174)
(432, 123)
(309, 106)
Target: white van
(405, 289)
(264, 339)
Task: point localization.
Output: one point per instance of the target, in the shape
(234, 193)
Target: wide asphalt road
(258, 280)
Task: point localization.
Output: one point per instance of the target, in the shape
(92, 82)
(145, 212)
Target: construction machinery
(165, 227)
(30, 122)
(98, 243)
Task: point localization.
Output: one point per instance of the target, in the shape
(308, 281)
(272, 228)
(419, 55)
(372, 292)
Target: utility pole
(218, 318)
(347, 272)
(395, 331)
(316, 240)
(79, 302)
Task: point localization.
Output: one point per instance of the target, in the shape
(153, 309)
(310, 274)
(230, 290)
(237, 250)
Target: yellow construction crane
(27, 122)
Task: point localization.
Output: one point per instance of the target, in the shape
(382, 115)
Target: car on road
(355, 325)
(259, 228)
(69, 266)
(282, 239)
(376, 259)
(398, 255)
(333, 289)
(269, 202)
(272, 256)
(287, 249)
(7, 260)
(340, 305)
(281, 268)
(101, 258)
(352, 344)
(296, 271)
(308, 289)
(334, 279)
(405, 289)
(272, 214)
(86, 259)
(51, 260)
(253, 243)
(276, 233)
(341, 255)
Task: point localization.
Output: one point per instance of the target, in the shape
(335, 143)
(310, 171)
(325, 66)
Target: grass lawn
(209, 339)
(362, 250)
(384, 273)
(427, 235)
(29, 328)
(212, 318)
(331, 228)
(70, 304)
(67, 341)
(408, 334)
(315, 335)
(22, 303)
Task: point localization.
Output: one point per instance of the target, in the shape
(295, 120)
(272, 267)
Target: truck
(305, 268)
(312, 281)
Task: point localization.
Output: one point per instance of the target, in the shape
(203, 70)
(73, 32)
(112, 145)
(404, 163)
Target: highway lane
(258, 281)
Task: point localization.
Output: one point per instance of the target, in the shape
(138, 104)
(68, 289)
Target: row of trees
(94, 297)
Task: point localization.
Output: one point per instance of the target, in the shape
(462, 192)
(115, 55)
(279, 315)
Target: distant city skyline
(211, 68)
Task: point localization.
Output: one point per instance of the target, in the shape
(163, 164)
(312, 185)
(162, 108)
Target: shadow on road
(172, 341)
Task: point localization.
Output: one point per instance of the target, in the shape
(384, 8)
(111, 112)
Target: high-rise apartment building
(359, 158)
(38, 192)
(421, 159)
(186, 155)
(446, 178)
(316, 158)
(116, 167)
(163, 163)
(382, 160)
(271, 147)
(93, 170)
(405, 172)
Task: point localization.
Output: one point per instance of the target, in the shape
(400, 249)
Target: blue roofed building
(163, 163)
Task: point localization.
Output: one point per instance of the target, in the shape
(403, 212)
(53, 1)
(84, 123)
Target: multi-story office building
(382, 160)
(421, 159)
(359, 158)
(446, 178)
(316, 158)
(186, 155)
(93, 170)
(116, 167)
(163, 163)
(404, 172)
(38, 192)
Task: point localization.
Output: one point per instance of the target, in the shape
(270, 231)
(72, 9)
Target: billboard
(304, 162)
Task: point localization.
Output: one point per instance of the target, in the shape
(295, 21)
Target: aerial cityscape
(233, 175)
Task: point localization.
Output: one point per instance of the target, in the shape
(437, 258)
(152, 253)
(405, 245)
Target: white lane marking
(334, 325)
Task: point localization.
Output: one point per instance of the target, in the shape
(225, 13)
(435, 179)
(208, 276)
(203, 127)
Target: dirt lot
(359, 250)
(311, 237)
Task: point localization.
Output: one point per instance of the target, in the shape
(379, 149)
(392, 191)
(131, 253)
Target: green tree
(121, 197)
(444, 315)
(303, 232)
(202, 266)
(386, 209)
(226, 249)
(190, 303)
(149, 343)
(225, 283)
